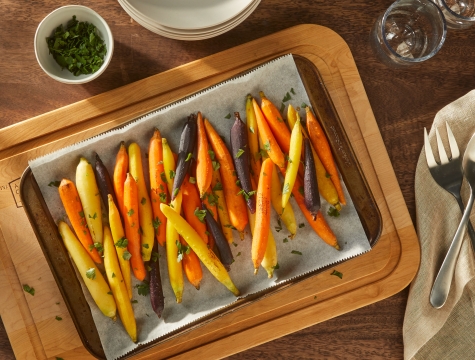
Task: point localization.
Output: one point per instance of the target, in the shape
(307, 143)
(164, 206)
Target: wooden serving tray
(387, 269)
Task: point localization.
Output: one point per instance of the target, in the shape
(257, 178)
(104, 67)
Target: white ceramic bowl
(61, 16)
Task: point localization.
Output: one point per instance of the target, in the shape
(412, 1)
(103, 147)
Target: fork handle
(441, 287)
(471, 231)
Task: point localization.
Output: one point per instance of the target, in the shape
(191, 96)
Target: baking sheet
(275, 79)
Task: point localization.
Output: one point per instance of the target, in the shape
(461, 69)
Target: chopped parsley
(182, 250)
(282, 107)
(145, 246)
(218, 186)
(216, 165)
(163, 177)
(81, 214)
(122, 243)
(143, 288)
(286, 189)
(155, 256)
(211, 154)
(113, 275)
(228, 116)
(156, 223)
(301, 190)
(59, 318)
(91, 273)
(251, 129)
(126, 255)
(239, 153)
(337, 273)
(267, 146)
(54, 183)
(93, 216)
(276, 266)
(333, 212)
(287, 97)
(172, 174)
(189, 156)
(192, 180)
(296, 252)
(133, 301)
(301, 225)
(143, 201)
(292, 91)
(130, 212)
(285, 240)
(28, 289)
(200, 214)
(163, 197)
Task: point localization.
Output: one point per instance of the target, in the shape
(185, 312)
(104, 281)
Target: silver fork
(448, 174)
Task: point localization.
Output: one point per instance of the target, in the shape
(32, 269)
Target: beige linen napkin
(449, 332)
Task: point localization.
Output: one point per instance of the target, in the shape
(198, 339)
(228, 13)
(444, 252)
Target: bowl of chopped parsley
(73, 44)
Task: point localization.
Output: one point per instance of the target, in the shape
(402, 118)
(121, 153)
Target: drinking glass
(459, 14)
(409, 32)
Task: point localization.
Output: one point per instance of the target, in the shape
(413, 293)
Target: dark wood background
(403, 101)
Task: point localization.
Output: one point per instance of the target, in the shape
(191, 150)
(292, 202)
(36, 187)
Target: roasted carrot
(267, 138)
(192, 200)
(276, 123)
(120, 173)
(253, 139)
(211, 202)
(70, 199)
(322, 147)
(319, 225)
(293, 164)
(132, 227)
(235, 201)
(204, 168)
(168, 165)
(191, 265)
(286, 214)
(261, 228)
(158, 187)
(325, 185)
(175, 266)
(217, 187)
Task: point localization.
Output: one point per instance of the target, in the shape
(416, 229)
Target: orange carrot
(204, 167)
(322, 147)
(158, 187)
(192, 266)
(319, 225)
(261, 228)
(120, 173)
(70, 199)
(276, 123)
(132, 226)
(192, 200)
(267, 138)
(235, 201)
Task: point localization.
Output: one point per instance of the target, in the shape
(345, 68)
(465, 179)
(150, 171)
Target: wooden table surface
(403, 101)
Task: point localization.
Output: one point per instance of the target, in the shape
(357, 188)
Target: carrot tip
(337, 247)
(255, 271)
(197, 287)
(114, 318)
(270, 275)
(338, 206)
(241, 235)
(291, 236)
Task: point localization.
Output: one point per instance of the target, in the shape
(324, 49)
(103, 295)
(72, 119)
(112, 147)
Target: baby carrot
(147, 233)
(286, 214)
(276, 123)
(132, 227)
(204, 167)
(191, 265)
(261, 228)
(175, 266)
(70, 199)
(235, 202)
(322, 147)
(293, 163)
(192, 200)
(120, 173)
(267, 138)
(168, 165)
(205, 254)
(158, 187)
(217, 187)
(253, 140)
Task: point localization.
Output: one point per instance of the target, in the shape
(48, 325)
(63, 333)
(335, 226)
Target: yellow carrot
(206, 255)
(168, 164)
(286, 214)
(293, 163)
(118, 236)
(117, 285)
(175, 268)
(147, 234)
(253, 139)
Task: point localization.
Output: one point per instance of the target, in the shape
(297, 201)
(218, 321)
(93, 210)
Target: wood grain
(403, 101)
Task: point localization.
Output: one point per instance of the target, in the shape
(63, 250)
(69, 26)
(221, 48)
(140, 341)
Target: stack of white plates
(189, 19)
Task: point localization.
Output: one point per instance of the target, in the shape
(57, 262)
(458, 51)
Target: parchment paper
(275, 78)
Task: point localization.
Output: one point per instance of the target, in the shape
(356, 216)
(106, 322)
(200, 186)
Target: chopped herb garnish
(130, 212)
(296, 252)
(163, 177)
(126, 255)
(286, 189)
(200, 214)
(143, 201)
(301, 190)
(134, 301)
(192, 180)
(285, 240)
(251, 129)
(146, 246)
(228, 116)
(156, 223)
(218, 186)
(276, 266)
(148, 268)
(245, 194)
(213, 199)
(122, 243)
(278, 228)
(239, 153)
(93, 217)
(282, 107)
(189, 156)
(57, 303)
(28, 289)
(172, 174)
(287, 158)
(337, 273)
(303, 106)
(301, 225)
(238, 182)
(77, 47)
(327, 175)
(155, 256)
(81, 214)
(230, 226)
(267, 146)
(59, 318)
(91, 273)
(292, 91)
(58, 358)
(314, 297)
(99, 246)
(216, 165)
(113, 275)
(54, 183)
(176, 191)
(207, 232)
(182, 250)
(143, 288)
(287, 97)
(234, 244)
(211, 154)
(238, 254)
(261, 154)
(163, 197)
(333, 212)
